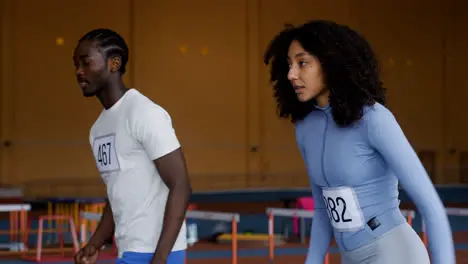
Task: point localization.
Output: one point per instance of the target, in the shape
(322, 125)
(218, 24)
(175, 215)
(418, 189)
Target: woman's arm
(386, 136)
(321, 231)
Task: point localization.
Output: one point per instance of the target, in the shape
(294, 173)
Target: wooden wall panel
(191, 58)
(463, 164)
(429, 160)
(456, 92)
(411, 54)
(3, 15)
(202, 61)
(51, 119)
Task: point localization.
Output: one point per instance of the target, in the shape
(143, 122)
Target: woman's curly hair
(350, 68)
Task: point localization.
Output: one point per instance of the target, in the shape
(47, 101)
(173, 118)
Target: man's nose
(79, 71)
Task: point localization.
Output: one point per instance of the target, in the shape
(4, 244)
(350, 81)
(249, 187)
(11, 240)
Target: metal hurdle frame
(21, 230)
(450, 211)
(285, 212)
(18, 226)
(234, 218)
(293, 212)
(84, 228)
(71, 207)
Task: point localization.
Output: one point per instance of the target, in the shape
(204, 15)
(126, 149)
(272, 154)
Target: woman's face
(305, 75)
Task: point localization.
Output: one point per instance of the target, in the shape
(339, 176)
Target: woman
(326, 81)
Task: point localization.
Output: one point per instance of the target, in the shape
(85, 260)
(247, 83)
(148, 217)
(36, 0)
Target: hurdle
(234, 218)
(285, 212)
(84, 227)
(451, 211)
(19, 212)
(70, 206)
(17, 232)
(38, 257)
(292, 213)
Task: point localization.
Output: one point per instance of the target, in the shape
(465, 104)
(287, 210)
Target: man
(139, 158)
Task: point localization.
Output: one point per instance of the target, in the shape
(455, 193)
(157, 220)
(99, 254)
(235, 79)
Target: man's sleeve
(152, 127)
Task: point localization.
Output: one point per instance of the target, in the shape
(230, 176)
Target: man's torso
(135, 190)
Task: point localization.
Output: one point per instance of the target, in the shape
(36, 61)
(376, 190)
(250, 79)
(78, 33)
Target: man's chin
(88, 94)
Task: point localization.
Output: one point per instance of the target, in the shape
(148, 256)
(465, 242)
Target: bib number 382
(343, 208)
(104, 153)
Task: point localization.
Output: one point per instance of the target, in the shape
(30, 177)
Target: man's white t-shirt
(125, 140)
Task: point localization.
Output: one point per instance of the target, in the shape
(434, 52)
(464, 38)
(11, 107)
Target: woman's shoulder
(378, 120)
(376, 112)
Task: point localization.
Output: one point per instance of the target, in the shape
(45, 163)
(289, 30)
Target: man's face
(91, 68)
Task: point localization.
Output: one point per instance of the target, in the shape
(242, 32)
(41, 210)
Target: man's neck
(112, 94)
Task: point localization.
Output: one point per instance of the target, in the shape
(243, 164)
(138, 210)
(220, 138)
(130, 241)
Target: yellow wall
(217, 90)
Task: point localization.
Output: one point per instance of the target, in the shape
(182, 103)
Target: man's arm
(173, 171)
(105, 228)
(152, 127)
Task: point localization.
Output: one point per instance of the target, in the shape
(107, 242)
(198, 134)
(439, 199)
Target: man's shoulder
(145, 114)
(140, 102)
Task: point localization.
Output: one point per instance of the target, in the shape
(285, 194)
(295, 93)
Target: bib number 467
(104, 156)
(104, 153)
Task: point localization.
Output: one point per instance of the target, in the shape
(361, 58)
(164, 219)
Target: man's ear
(115, 63)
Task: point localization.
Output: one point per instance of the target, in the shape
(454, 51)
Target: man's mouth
(83, 83)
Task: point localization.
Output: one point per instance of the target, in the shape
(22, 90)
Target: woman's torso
(357, 185)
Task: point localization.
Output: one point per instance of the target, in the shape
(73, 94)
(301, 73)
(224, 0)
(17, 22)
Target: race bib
(343, 208)
(104, 153)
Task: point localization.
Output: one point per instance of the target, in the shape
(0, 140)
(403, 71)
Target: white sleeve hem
(163, 152)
